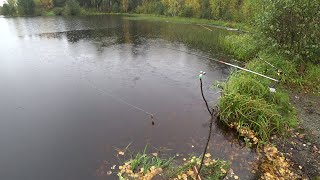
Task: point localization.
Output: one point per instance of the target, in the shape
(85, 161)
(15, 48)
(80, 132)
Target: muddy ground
(302, 146)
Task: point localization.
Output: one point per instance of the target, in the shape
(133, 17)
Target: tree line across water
(291, 25)
(234, 10)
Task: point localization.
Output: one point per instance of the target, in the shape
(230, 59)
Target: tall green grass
(244, 47)
(248, 101)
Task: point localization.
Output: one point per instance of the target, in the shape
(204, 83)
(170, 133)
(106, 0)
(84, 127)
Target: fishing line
(222, 62)
(104, 92)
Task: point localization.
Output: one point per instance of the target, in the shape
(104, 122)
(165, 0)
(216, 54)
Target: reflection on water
(54, 125)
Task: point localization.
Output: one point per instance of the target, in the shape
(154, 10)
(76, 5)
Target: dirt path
(303, 145)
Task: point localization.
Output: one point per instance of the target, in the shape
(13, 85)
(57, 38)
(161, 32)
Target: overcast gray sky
(1, 2)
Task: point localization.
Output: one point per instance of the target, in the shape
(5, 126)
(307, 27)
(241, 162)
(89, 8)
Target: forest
(233, 10)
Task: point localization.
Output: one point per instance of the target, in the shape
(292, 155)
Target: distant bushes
(292, 26)
(152, 7)
(58, 11)
(242, 46)
(72, 8)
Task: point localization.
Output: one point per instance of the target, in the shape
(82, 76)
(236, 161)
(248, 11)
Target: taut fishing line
(104, 92)
(120, 100)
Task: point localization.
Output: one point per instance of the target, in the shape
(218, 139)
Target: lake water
(66, 83)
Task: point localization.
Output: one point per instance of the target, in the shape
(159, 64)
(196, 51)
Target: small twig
(196, 170)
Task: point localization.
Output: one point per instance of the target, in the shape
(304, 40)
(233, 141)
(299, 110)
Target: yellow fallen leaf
(208, 155)
(223, 171)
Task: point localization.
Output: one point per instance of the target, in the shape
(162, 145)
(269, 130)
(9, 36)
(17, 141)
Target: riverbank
(284, 114)
(176, 19)
(233, 26)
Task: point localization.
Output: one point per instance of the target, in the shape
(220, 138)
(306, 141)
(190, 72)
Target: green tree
(9, 8)
(26, 7)
(5, 10)
(125, 5)
(225, 9)
(293, 26)
(205, 9)
(72, 7)
(59, 3)
(195, 6)
(173, 7)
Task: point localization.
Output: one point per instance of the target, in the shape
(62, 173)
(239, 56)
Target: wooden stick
(196, 171)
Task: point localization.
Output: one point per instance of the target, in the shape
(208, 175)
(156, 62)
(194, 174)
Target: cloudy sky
(1, 2)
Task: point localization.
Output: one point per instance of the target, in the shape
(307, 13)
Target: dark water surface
(55, 121)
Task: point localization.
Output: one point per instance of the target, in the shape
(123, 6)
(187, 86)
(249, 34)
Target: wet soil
(302, 146)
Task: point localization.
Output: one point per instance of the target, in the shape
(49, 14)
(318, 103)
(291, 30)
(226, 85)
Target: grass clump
(49, 13)
(212, 169)
(242, 46)
(143, 166)
(249, 103)
(247, 100)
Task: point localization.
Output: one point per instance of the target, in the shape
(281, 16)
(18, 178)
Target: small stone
(304, 145)
(309, 144)
(300, 167)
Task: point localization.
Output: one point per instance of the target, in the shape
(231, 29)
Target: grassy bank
(175, 19)
(184, 20)
(258, 113)
(247, 99)
(152, 17)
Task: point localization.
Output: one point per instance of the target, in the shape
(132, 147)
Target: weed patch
(146, 166)
(242, 46)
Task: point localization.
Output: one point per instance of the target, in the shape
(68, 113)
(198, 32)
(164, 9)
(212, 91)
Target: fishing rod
(213, 114)
(226, 63)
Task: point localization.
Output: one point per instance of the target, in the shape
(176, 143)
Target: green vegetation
(227, 10)
(284, 45)
(248, 102)
(147, 166)
(185, 20)
(212, 169)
